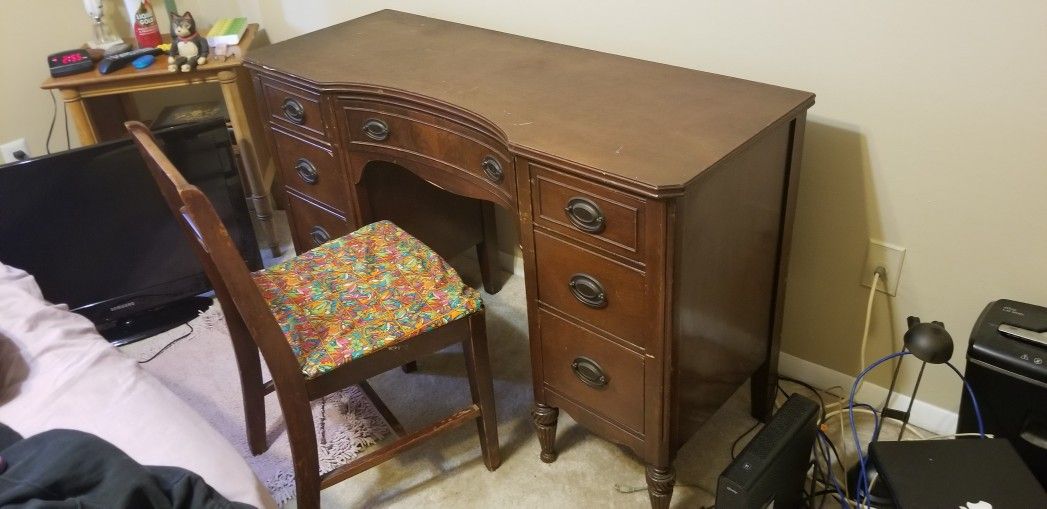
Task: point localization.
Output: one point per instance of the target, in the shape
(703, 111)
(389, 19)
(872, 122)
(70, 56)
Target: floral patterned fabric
(360, 293)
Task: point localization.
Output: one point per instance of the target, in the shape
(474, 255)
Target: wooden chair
(315, 346)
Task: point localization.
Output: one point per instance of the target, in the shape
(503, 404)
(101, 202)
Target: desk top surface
(654, 124)
(159, 68)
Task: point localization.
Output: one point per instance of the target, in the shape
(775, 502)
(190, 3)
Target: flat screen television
(93, 229)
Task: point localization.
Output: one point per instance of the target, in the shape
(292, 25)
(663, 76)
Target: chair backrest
(240, 298)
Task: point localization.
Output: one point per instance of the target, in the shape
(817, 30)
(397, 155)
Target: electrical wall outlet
(888, 256)
(8, 150)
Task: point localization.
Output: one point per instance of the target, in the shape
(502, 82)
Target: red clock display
(69, 62)
(70, 58)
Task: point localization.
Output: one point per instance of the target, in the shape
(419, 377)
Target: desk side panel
(725, 265)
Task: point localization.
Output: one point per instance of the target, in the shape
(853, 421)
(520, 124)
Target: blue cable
(974, 400)
(829, 467)
(862, 484)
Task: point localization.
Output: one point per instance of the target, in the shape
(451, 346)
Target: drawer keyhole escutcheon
(589, 372)
(492, 169)
(585, 215)
(319, 235)
(376, 129)
(588, 291)
(306, 171)
(293, 110)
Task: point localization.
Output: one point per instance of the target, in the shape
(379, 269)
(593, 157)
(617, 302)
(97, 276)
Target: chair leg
(478, 367)
(301, 434)
(383, 409)
(250, 368)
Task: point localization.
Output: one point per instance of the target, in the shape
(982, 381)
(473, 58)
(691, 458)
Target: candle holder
(104, 38)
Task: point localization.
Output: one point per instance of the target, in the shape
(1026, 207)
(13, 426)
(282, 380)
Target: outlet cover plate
(7, 150)
(888, 256)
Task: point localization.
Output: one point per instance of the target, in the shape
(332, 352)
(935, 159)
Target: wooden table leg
(77, 110)
(250, 148)
(660, 481)
(544, 418)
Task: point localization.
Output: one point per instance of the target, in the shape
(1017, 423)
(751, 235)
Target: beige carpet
(200, 367)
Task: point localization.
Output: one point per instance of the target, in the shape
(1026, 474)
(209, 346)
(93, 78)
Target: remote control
(118, 61)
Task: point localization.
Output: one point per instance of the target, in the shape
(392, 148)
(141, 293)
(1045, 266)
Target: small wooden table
(258, 167)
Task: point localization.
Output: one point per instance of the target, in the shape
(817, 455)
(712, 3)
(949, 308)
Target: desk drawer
(311, 169)
(601, 375)
(431, 140)
(604, 293)
(311, 224)
(593, 213)
(293, 107)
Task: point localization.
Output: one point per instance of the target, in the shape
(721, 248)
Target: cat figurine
(188, 48)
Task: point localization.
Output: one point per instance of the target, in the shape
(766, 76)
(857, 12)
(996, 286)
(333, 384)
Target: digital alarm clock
(69, 62)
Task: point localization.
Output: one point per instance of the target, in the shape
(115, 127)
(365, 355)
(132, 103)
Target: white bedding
(57, 372)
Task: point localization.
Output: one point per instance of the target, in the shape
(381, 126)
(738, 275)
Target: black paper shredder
(1007, 369)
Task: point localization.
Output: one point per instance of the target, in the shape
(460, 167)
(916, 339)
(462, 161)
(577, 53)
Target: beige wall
(930, 132)
(31, 33)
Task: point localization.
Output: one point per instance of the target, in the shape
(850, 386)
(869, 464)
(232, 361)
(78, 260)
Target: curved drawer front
(431, 140)
(293, 107)
(605, 294)
(311, 170)
(596, 214)
(605, 377)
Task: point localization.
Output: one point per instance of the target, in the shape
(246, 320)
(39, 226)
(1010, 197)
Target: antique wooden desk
(654, 202)
(94, 124)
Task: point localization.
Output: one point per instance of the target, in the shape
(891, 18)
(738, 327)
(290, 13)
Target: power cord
(879, 273)
(183, 336)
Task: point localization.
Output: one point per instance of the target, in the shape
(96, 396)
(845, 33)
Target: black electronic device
(928, 341)
(91, 226)
(1007, 368)
(955, 473)
(770, 470)
(118, 61)
(73, 61)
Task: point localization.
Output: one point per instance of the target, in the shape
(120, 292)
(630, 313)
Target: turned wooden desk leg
(487, 251)
(545, 424)
(660, 481)
(77, 110)
(250, 149)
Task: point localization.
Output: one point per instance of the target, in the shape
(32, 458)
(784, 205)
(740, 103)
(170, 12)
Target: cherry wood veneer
(655, 203)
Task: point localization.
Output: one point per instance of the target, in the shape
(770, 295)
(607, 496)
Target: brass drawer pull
(585, 215)
(589, 372)
(293, 110)
(319, 235)
(306, 171)
(588, 291)
(492, 169)
(376, 129)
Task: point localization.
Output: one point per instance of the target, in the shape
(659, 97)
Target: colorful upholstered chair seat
(360, 293)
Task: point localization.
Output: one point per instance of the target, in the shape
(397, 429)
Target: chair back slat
(237, 293)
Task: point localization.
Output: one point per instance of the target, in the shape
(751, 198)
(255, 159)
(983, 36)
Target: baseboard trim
(511, 262)
(925, 415)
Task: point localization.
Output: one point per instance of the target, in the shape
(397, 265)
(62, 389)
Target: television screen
(92, 227)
